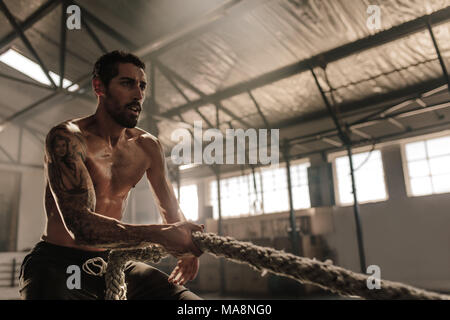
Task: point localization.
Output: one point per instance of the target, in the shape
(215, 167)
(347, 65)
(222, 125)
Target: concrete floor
(13, 294)
(7, 293)
(230, 296)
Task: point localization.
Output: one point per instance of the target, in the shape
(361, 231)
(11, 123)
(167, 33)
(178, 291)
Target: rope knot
(97, 262)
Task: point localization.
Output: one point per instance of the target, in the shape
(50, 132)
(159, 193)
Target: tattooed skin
(77, 218)
(74, 193)
(65, 174)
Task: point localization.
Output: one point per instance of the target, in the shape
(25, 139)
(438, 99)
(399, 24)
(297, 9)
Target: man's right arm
(74, 193)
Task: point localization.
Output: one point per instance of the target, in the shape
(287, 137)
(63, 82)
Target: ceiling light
(31, 69)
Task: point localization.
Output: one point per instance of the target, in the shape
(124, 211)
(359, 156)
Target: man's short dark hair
(106, 66)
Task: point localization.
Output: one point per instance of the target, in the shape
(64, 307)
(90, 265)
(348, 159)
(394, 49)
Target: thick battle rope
(307, 271)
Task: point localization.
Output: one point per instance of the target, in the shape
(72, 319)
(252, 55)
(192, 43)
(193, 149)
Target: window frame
(332, 158)
(404, 142)
(248, 171)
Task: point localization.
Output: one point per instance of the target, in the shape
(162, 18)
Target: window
(30, 68)
(275, 187)
(238, 196)
(188, 201)
(428, 169)
(276, 197)
(267, 193)
(300, 186)
(369, 178)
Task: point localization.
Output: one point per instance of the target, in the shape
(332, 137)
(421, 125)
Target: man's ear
(99, 87)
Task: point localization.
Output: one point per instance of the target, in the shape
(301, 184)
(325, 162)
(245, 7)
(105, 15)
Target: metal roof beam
(170, 73)
(175, 85)
(27, 82)
(342, 135)
(232, 115)
(106, 28)
(214, 18)
(94, 37)
(438, 52)
(339, 53)
(355, 126)
(40, 13)
(62, 44)
(258, 108)
(27, 43)
(408, 93)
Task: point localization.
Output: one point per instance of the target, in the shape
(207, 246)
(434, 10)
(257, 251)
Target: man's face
(125, 95)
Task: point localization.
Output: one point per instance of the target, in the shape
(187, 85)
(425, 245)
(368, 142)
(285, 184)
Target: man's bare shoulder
(145, 139)
(69, 132)
(79, 127)
(71, 126)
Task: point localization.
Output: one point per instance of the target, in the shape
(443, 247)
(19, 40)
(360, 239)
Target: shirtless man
(91, 164)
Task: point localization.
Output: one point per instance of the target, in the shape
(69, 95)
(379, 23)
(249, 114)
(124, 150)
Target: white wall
(31, 216)
(408, 237)
(31, 209)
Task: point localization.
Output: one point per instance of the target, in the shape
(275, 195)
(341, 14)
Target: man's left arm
(187, 267)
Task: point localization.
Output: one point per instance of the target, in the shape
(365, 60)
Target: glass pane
(215, 206)
(268, 181)
(415, 151)
(301, 197)
(276, 201)
(441, 183)
(362, 160)
(418, 169)
(189, 201)
(438, 147)
(421, 186)
(371, 187)
(440, 165)
(213, 190)
(297, 172)
(369, 177)
(343, 163)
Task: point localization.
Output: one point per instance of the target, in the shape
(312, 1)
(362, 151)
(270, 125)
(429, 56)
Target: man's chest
(116, 169)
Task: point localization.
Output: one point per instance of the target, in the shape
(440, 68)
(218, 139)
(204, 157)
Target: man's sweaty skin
(91, 165)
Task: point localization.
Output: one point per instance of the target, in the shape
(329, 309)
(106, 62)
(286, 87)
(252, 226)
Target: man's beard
(122, 117)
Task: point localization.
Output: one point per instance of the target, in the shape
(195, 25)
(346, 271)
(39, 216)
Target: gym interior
(332, 117)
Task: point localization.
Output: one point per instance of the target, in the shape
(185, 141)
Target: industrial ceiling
(313, 69)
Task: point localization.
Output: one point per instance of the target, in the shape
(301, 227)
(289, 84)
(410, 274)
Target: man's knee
(188, 295)
(145, 282)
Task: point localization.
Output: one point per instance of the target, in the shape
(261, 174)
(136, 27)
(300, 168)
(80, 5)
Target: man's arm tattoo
(74, 193)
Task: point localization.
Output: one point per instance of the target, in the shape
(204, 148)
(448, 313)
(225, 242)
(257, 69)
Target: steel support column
(216, 170)
(293, 232)
(348, 144)
(438, 52)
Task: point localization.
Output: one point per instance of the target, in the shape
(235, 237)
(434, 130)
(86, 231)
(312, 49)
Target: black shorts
(45, 274)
